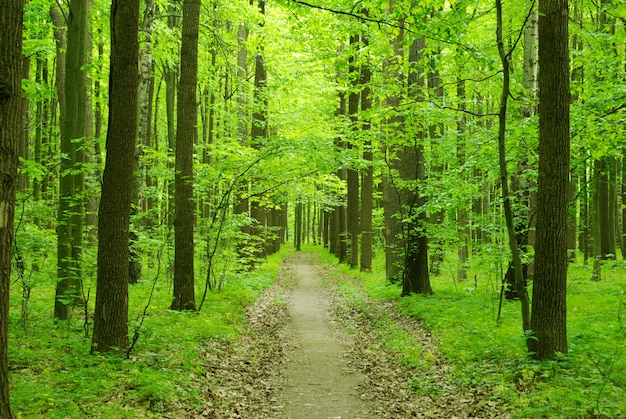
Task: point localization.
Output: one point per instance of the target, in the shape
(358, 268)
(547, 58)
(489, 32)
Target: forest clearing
(312, 208)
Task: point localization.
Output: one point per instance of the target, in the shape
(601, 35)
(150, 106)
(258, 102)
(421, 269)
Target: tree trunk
(297, 227)
(111, 313)
(10, 129)
(259, 133)
(186, 135)
(340, 210)
(242, 205)
(603, 208)
(462, 214)
(435, 135)
(352, 174)
(71, 204)
(550, 282)
(367, 192)
(391, 199)
(520, 285)
(170, 110)
(415, 278)
(594, 209)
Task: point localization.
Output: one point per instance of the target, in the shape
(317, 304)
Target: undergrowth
(587, 382)
(53, 376)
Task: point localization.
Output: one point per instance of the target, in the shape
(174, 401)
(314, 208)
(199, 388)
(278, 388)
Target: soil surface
(320, 382)
(311, 353)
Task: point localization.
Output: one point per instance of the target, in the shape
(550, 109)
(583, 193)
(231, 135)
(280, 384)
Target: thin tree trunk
(390, 180)
(367, 192)
(520, 285)
(352, 174)
(170, 110)
(143, 133)
(298, 227)
(186, 135)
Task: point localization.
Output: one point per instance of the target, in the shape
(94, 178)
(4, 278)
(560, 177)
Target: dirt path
(319, 381)
(298, 361)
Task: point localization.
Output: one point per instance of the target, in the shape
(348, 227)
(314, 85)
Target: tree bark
(367, 187)
(259, 134)
(71, 199)
(520, 285)
(352, 174)
(416, 277)
(10, 129)
(186, 135)
(110, 329)
(390, 179)
(549, 291)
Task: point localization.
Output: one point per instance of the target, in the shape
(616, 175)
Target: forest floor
(309, 352)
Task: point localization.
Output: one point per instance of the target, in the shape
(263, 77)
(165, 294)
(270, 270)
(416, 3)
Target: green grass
(589, 381)
(52, 374)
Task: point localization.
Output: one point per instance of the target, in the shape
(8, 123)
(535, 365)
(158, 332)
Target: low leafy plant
(52, 374)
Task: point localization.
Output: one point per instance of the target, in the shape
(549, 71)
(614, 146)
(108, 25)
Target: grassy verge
(52, 374)
(589, 381)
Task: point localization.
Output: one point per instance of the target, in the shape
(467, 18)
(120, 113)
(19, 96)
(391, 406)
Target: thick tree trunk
(550, 282)
(259, 133)
(111, 312)
(186, 135)
(416, 277)
(10, 129)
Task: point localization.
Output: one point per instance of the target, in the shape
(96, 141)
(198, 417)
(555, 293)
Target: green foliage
(53, 376)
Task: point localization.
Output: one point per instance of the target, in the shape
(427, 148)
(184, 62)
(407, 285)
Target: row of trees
(403, 125)
(411, 144)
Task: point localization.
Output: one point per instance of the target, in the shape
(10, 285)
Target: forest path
(320, 383)
(311, 352)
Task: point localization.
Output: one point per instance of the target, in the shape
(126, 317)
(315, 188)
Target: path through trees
(312, 352)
